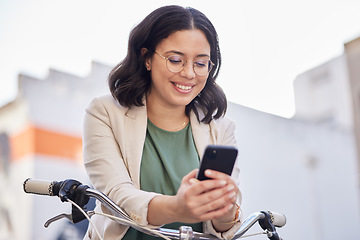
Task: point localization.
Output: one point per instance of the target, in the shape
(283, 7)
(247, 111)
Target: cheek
(202, 82)
(159, 74)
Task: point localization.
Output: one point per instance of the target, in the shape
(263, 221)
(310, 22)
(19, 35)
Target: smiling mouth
(183, 87)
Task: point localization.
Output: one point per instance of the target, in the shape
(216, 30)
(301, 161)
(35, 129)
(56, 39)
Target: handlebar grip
(278, 219)
(41, 187)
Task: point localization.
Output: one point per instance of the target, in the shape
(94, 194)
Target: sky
(264, 44)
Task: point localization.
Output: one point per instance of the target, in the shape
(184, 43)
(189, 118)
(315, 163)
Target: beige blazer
(113, 140)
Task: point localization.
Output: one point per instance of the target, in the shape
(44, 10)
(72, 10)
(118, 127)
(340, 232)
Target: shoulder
(223, 129)
(104, 102)
(104, 109)
(105, 105)
(223, 123)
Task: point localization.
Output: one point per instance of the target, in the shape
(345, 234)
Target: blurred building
(306, 167)
(41, 139)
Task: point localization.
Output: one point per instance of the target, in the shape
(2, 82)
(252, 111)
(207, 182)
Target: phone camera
(212, 154)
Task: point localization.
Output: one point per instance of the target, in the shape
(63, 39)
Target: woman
(142, 143)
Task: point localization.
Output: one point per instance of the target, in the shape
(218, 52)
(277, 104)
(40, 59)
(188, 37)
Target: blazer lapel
(201, 134)
(135, 133)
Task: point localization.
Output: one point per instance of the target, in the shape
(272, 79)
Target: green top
(167, 158)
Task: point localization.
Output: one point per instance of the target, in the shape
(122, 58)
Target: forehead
(188, 42)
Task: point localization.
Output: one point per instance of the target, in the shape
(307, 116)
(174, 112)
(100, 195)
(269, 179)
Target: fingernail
(208, 172)
(232, 194)
(193, 180)
(222, 182)
(230, 187)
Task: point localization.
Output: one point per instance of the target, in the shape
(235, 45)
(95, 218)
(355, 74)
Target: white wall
(323, 94)
(306, 171)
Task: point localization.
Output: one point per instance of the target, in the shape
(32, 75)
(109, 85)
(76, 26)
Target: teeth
(183, 87)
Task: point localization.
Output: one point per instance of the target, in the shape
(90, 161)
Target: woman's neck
(168, 118)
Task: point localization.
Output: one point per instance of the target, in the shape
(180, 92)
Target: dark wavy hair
(129, 81)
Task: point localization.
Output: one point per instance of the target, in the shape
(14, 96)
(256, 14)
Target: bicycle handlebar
(80, 194)
(278, 219)
(40, 187)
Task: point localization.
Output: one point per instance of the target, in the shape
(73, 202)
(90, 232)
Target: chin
(185, 102)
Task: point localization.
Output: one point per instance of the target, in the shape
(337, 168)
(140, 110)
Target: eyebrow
(182, 54)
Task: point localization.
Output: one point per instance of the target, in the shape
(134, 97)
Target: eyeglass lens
(201, 66)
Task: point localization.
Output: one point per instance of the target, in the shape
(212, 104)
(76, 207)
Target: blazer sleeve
(106, 167)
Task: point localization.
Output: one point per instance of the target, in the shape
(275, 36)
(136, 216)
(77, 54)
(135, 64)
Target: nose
(188, 70)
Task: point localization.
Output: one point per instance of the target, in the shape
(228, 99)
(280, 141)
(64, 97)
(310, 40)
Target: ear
(147, 59)
(143, 51)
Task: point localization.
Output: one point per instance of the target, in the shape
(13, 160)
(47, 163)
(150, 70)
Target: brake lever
(58, 217)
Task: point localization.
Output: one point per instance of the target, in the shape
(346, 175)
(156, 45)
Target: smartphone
(219, 158)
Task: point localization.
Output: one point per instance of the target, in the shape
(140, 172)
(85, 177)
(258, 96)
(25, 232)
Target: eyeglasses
(175, 63)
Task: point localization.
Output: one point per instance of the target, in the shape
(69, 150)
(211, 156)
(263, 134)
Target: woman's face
(178, 89)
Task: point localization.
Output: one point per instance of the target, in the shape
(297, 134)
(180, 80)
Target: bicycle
(78, 195)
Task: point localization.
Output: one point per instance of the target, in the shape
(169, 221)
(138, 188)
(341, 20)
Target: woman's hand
(227, 220)
(212, 199)
(198, 201)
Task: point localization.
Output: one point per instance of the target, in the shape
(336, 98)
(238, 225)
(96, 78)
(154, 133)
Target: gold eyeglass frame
(183, 66)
